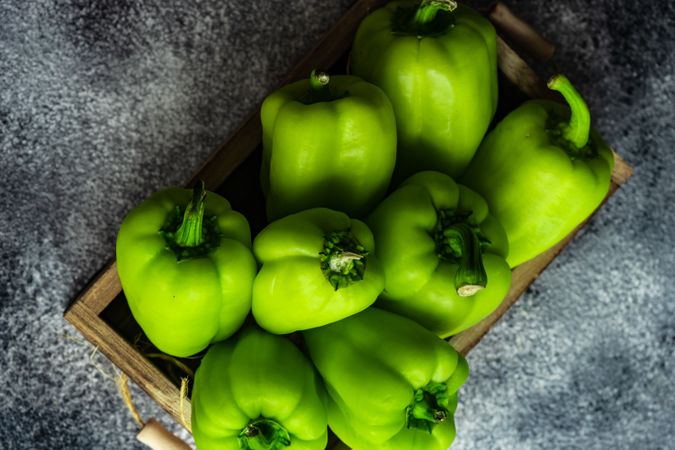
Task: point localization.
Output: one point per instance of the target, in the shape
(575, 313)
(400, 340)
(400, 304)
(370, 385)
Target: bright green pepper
(392, 383)
(258, 392)
(186, 267)
(540, 173)
(437, 63)
(443, 253)
(327, 144)
(318, 267)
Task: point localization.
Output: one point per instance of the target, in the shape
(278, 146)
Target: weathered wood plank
(128, 359)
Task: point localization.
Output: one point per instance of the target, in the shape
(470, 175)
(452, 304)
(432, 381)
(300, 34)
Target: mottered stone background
(102, 103)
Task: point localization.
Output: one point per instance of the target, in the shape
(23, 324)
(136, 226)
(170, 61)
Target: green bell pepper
(392, 384)
(186, 268)
(258, 392)
(318, 267)
(543, 171)
(327, 143)
(443, 254)
(437, 62)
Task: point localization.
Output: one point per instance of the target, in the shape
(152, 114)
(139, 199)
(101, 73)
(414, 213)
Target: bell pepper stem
(190, 233)
(429, 407)
(342, 262)
(319, 87)
(428, 9)
(579, 126)
(343, 259)
(470, 276)
(264, 434)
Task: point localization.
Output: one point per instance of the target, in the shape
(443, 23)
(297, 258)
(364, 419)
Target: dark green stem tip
(577, 130)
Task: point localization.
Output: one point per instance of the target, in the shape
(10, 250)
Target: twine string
(122, 382)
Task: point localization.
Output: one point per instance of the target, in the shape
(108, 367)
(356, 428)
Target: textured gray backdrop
(102, 104)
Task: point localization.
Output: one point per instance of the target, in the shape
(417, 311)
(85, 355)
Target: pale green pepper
(318, 266)
(327, 142)
(186, 267)
(543, 171)
(437, 62)
(257, 391)
(392, 383)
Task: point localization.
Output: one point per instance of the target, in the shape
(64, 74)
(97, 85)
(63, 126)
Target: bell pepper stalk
(190, 232)
(319, 89)
(416, 372)
(443, 254)
(257, 391)
(543, 170)
(186, 267)
(327, 142)
(576, 131)
(458, 240)
(264, 434)
(427, 10)
(318, 266)
(437, 62)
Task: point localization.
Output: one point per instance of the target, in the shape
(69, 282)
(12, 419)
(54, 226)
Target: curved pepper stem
(470, 276)
(428, 9)
(319, 87)
(264, 434)
(579, 126)
(459, 242)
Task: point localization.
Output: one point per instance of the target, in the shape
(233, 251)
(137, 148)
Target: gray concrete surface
(102, 103)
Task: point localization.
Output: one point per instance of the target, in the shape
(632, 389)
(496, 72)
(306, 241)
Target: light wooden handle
(520, 32)
(155, 436)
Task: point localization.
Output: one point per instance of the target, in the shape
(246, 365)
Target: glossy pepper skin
(443, 253)
(257, 392)
(184, 259)
(327, 142)
(542, 171)
(318, 266)
(392, 383)
(437, 63)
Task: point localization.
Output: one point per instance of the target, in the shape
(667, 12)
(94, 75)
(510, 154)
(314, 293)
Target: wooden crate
(101, 313)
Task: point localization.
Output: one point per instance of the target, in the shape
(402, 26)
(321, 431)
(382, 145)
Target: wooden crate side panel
(621, 173)
(520, 32)
(128, 359)
(100, 292)
(518, 72)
